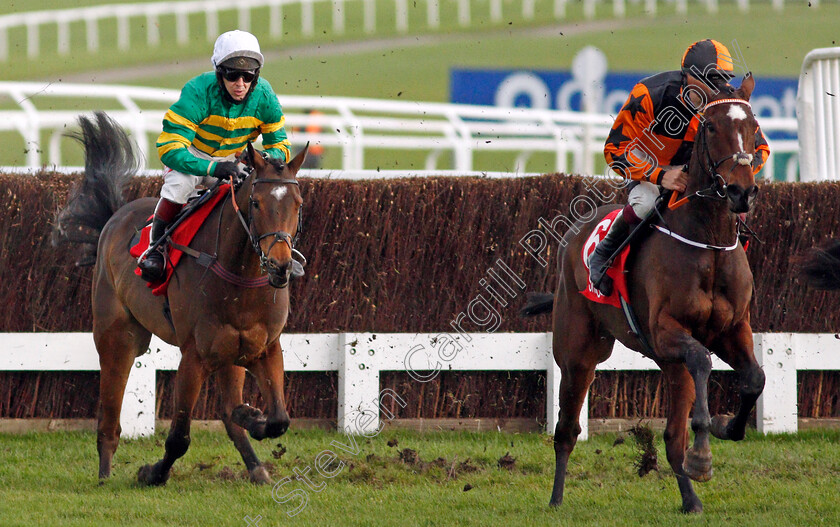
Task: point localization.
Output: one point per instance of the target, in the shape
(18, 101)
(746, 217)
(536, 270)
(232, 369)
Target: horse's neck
(706, 220)
(234, 244)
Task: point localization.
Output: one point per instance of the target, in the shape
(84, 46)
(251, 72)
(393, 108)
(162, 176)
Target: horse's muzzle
(279, 275)
(740, 199)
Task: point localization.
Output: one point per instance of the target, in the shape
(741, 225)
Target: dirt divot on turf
(507, 462)
(647, 461)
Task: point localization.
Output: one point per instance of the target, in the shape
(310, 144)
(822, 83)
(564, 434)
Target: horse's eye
(711, 128)
(256, 204)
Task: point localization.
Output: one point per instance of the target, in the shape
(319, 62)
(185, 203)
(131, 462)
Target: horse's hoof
(149, 475)
(244, 415)
(692, 506)
(721, 428)
(698, 465)
(259, 476)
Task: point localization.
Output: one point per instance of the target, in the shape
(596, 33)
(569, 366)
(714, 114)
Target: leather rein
(717, 190)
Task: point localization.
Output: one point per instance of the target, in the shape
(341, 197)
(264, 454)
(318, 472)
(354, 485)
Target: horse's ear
(295, 164)
(252, 158)
(747, 87)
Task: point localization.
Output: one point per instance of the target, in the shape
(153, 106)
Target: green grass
(49, 479)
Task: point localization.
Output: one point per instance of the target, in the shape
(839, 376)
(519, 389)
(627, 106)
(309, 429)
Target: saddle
(184, 228)
(616, 271)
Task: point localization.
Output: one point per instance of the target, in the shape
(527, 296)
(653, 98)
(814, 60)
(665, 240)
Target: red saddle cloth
(183, 235)
(616, 270)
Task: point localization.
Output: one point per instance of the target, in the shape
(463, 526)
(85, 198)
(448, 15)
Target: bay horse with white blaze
(222, 327)
(690, 301)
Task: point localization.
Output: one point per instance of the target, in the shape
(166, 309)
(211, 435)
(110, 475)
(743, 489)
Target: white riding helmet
(237, 45)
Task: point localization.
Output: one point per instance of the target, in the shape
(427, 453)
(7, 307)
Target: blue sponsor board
(559, 90)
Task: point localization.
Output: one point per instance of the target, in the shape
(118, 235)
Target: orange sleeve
(625, 150)
(762, 151)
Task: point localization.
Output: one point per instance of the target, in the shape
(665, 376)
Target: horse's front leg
(231, 379)
(674, 342)
(268, 370)
(736, 349)
(188, 381)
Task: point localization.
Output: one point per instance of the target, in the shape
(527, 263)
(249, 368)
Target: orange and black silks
(655, 128)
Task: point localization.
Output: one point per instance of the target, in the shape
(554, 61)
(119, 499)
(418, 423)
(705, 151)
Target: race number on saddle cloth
(616, 270)
(183, 235)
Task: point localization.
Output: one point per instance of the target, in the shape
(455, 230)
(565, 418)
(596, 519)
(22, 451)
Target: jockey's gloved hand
(226, 169)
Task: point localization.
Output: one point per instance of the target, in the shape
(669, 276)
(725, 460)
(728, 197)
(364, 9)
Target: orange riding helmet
(709, 60)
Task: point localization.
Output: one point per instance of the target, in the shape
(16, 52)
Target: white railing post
(32, 40)
(559, 8)
(358, 385)
(244, 16)
(4, 44)
(619, 9)
(552, 388)
(92, 31)
(211, 23)
(369, 12)
(152, 29)
(433, 13)
(528, 8)
(63, 44)
(401, 15)
(464, 13)
(776, 409)
(589, 9)
(307, 18)
(495, 10)
(182, 27)
(137, 418)
(338, 16)
(123, 33)
(275, 21)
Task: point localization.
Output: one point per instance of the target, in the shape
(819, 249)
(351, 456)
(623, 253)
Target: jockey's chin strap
(717, 190)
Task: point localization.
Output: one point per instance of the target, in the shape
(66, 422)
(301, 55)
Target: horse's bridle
(279, 236)
(717, 190)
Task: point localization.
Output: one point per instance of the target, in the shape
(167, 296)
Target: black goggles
(234, 75)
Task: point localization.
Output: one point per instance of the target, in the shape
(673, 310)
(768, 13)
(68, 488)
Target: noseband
(717, 190)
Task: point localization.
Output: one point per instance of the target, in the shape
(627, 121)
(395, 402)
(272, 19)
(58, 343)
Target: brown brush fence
(408, 255)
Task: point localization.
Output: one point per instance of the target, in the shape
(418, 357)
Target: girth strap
(210, 262)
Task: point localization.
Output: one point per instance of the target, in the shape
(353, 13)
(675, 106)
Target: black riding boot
(153, 266)
(604, 253)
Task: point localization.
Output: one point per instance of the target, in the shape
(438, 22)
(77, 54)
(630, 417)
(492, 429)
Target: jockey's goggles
(233, 75)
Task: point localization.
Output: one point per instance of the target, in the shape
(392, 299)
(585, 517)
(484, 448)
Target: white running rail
(818, 108)
(360, 357)
(574, 140)
(467, 11)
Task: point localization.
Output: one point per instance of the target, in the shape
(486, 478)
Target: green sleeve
(179, 127)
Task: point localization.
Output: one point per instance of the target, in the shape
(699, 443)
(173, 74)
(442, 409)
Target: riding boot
(153, 266)
(604, 253)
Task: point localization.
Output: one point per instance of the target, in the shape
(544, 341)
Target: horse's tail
(110, 162)
(537, 304)
(820, 268)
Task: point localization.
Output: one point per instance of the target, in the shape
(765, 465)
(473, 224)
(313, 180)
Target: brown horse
(226, 327)
(690, 301)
